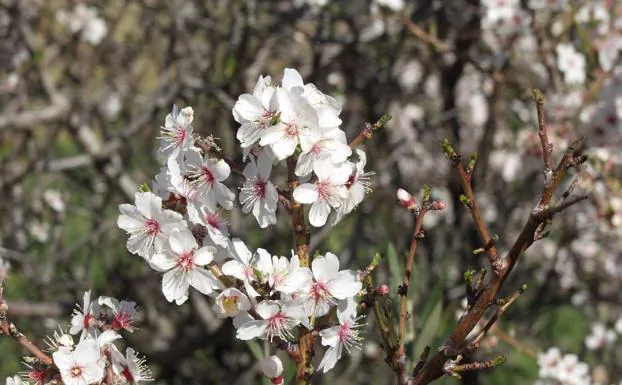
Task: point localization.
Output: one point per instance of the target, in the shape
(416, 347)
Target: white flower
(15, 380)
(230, 302)
(124, 313)
(176, 135)
(82, 317)
(183, 266)
(599, 337)
(327, 191)
(5, 266)
(206, 176)
(394, 5)
(215, 224)
(95, 31)
(549, 362)
(54, 199)
(286, 276)
(276, 321)
(272, 367)
(147, 224)
(298, 125)
(328, 285)
(346, 334)
(135, 369)
(333, 147)
(82, 366)
(258, 193)
(571, 63)
(255, 112)
(358, 185)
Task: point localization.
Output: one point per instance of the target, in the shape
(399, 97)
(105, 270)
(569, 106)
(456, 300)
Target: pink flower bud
(383, 290)
(272, 367)
(438, 205)
(406, 199)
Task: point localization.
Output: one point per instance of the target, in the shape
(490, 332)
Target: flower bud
(406, 199)
(438, 205)
(383, 290)
(272, 367)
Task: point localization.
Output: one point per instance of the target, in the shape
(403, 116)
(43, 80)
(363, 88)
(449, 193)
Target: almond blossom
(176, 135)
(328, 191)
(135, 369)
(147, 224)
(276, 321)
(81, 366)
(255, 112)
(345, 335)
(358, 185)
(328, 286)
(206, 176)
(298, 125)
(183, 266)
(230, 303)
(124, 313)
(258, 194)
(81, 320)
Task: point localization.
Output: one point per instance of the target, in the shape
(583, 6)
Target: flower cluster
(557, 369)
(93, 357)
(178, 225)
(296, 120)
(84, 19)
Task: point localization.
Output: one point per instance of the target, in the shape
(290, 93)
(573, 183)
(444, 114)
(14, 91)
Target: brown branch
(368, 131)
(302, 237)
(501, 267)
(547, 147)
(403, 290)
(422, 35)
(9, 329)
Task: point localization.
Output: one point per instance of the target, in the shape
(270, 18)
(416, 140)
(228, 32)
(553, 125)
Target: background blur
(85, 87)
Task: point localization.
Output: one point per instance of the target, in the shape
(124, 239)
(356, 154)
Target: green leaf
(432, 314)
(255, 349)
(395, 267)
(567, 326)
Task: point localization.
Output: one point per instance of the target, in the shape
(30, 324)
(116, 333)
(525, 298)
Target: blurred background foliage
(81, 109)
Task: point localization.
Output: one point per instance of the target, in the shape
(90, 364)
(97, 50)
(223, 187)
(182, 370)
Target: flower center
(260, 189)
(323, 190)
(87, 320)
(185, 261)
(121, 320)
(152, 227)
(76, 371)
(319, 291)
(207, 175)
(230, 305)
(291, 130)
(212, 220)
(127, 374)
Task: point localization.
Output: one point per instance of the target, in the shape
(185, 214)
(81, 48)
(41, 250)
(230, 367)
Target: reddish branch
(501, 266)
(302, 237)
(9, 329)
(403, 291)
(368, 131)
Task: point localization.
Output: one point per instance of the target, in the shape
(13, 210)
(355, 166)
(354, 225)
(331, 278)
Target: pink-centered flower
(176, 135)
(255, 112)
(81, 366)
(147, 224)
(258, 194)
(345, 335)
(183, 266)
(276, 321)
(83, 316)
(328, 285)
(328, 191)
